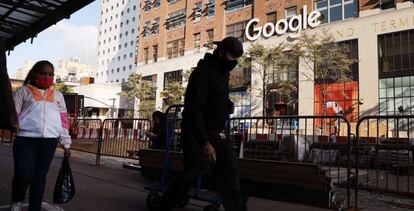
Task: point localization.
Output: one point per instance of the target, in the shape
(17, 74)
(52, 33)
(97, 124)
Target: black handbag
(64, 187)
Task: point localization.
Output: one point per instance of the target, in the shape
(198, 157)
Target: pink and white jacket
(42, 116)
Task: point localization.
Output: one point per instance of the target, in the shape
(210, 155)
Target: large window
(146, 53)
(211, 4)
(172, 76)
(236, 30)
(152, 79)
(176, 19)
(396, 54)
(210, 38)
(283, 101)
(335, 10)
(237, 4)
(396, 95)
(197, 12)
(197, 42)
(271, 17)
(242, 103)
(341, 98)
(175, 48)
(155, 53)
(147, 29)
(156, 26)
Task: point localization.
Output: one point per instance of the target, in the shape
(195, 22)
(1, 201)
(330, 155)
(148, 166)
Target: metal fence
(86, 134)
(124, 137)
(384, 154)
(322, 140)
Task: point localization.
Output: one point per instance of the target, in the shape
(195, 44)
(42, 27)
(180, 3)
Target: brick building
(175, 34)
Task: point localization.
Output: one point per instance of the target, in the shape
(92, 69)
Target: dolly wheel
(212, 207)
(183, 202)
(152, 200)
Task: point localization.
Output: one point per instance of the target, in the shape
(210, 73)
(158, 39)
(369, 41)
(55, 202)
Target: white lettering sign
(294, 25)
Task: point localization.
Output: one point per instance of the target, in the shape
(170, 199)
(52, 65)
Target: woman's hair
(36, 68)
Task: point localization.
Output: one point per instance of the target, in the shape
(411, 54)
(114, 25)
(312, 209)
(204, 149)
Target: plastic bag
(64, 187)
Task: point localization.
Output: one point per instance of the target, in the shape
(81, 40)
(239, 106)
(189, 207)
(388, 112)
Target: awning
(24, 19)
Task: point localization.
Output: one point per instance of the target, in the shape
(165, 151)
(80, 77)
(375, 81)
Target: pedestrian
(156, 134)
(43, 120)
(206, 110)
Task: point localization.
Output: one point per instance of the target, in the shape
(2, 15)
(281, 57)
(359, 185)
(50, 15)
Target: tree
(269, 64)
(63, 88)
(327, 61)
(144, 91)
(174, 91)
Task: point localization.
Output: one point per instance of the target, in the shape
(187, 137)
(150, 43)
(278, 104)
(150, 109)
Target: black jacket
(206, 102)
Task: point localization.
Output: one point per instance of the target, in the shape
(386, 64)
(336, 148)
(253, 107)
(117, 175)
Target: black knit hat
(231, 45)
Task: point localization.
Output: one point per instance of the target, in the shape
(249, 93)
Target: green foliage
(144, 91)
(63, 88)
(268, 63)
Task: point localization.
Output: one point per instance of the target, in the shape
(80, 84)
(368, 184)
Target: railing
(322, 140)
(384, 154)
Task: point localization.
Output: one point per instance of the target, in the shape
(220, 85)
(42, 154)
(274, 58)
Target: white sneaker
(16, 206)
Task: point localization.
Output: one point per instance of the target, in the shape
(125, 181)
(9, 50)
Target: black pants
(226, 174)
(32, 158)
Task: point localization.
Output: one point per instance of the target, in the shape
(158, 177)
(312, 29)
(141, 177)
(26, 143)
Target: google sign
(294, 25)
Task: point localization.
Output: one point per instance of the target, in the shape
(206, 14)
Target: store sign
(294, 25)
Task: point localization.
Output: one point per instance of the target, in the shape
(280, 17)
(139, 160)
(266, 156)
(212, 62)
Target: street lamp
(113, 107)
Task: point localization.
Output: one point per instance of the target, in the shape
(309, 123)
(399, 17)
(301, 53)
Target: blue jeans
(32, 158)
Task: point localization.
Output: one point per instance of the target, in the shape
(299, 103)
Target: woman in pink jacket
(43, 122)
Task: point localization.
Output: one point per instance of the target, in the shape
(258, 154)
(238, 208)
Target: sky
(73, 37)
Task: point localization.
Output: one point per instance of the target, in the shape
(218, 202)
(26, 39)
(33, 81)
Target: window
(155, 53)
(125, 56)
(146, 55)
(236, 30)
(386, 4)
(157, 4)
(237, 4)
(210, 38)
(117, 80)
(175, 48)
(131, 55)
(125, 45)
(112, 71)
(132, 31)
(117, 70)
(127, 22)
(123, 68)
(176, 19)
(119, 58)
(119, 47)
(130, 67)
(156, 26)
(126, 33)
(128, 10)
(133, 19)
(396, 95)
(197, 42)
(120, 35)
(342, 98)
(271, 17)
(197, 12)
(290, 12)
(335, 10)
(396, 54)
(172, 76)
(242, 106)
(134, 8)
(172, 1)
(123, 80)
(132, 43)
(147, 29)
(211, 4)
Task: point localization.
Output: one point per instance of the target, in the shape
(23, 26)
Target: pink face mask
(44, 82)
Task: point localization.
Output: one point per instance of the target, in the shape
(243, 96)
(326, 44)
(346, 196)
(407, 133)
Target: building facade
(117, 40)
(380, 35)
(72, 70)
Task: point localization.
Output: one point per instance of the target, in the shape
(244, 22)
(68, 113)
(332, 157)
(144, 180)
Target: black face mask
(227, 65)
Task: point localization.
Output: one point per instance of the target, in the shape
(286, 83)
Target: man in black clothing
(206, 110)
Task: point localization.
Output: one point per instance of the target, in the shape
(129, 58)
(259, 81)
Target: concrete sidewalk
(108, 187)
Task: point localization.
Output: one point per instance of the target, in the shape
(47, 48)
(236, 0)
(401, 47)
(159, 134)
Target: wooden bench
(299, 182)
